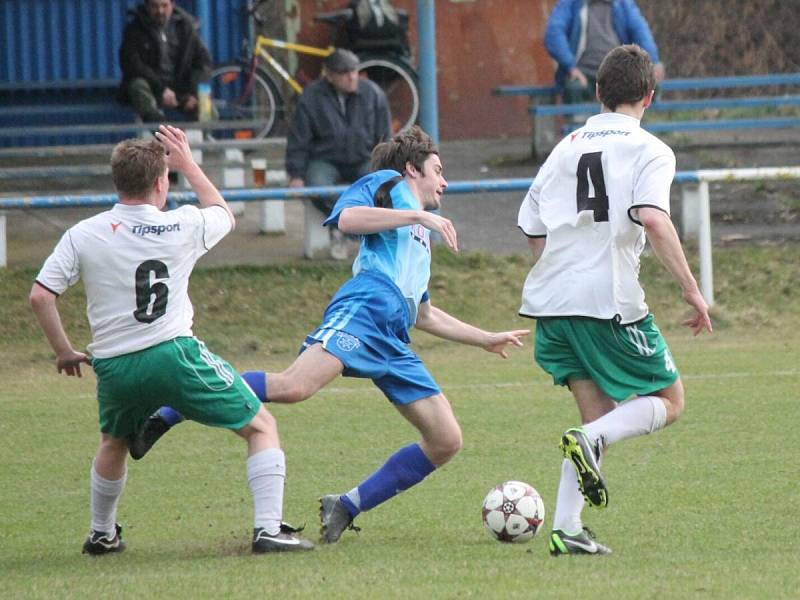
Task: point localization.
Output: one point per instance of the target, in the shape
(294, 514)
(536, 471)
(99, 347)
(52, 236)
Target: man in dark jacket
(339, 119)
(162, 59)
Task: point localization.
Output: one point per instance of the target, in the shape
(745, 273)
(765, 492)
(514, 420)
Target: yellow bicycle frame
(262, 42)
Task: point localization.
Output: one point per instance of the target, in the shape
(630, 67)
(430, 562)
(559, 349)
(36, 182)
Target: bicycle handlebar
(335, 17)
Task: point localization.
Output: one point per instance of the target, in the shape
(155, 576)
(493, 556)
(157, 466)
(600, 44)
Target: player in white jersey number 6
(135, 261)
(599, 192)
(365, 328)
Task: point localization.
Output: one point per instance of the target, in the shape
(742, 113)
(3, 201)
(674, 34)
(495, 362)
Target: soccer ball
(513, 512)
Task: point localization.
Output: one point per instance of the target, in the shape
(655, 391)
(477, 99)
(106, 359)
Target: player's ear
(411, 169)
(649, 99)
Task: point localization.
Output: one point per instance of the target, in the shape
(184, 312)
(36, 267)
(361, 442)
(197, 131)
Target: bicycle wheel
(398, 80)
(255, 103)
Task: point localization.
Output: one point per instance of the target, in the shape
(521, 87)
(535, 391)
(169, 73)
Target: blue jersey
(402, 254)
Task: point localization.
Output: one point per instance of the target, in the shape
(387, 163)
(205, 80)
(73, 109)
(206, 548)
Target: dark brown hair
(410, 146)
(135, 166)
(625, 76)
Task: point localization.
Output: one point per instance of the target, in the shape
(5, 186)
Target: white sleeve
(216, 225)
(651, 187)
(62, 268)
(528, 219)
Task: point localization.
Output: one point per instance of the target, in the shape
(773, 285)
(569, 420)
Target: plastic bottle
(204, 107)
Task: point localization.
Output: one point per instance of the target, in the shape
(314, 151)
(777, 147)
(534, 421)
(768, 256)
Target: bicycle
(246, 92)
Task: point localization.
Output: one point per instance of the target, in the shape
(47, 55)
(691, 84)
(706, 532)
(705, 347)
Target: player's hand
(444, 226)
(169, 99)
(296, 182)
(70, 362)
(179, 155)
(499, 342)
(575, 74)
(699, 319)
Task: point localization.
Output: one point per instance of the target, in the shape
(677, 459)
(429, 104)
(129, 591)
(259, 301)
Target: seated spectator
(163, 59)
(339, 119)
(581, 32)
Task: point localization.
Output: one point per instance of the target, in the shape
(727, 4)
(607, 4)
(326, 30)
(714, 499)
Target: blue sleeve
(363, 192)
(355, 195)
(556, 36)
(639, 31)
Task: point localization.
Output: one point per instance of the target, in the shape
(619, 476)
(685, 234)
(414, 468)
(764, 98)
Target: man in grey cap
(338, 120)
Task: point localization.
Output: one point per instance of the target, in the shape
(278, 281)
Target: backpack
(376, 24)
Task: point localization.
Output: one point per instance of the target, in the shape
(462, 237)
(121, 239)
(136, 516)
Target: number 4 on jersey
(590, 166)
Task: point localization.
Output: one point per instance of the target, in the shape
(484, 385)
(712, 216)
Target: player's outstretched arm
(180, 159)
(667, 247)
(363, 220)
(441, 324)
(43, 303)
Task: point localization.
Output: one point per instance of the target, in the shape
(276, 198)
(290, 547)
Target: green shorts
(180, 373)
(624, 360)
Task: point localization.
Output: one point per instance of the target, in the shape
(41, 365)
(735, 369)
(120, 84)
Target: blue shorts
(366, 327)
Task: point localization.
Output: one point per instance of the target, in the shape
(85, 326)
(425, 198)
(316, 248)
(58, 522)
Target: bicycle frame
(260, 50)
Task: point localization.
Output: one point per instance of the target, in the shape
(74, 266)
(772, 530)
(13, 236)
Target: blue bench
(547, 129)
(60, 105)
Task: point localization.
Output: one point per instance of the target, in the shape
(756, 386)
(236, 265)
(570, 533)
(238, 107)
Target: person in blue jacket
(581, 32)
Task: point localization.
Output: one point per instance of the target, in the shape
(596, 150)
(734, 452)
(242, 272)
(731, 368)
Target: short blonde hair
(136, 165)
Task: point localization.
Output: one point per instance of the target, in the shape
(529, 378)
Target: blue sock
(257, 380)
(406, 467)
(170, 415)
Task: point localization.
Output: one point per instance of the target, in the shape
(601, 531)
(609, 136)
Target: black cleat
(577, 448)
(283, 541)
(99, 543)
(334, 518)
(580, 543)
(144, 439)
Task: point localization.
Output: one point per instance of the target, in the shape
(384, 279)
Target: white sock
(104, 498)
(633, 418)
(569, 501)
(266, 472)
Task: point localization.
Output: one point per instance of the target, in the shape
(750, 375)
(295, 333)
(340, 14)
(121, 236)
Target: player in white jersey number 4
(135, 261)
(586, 214)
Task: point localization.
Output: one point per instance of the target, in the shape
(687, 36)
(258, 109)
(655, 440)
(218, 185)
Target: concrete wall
(480, 44)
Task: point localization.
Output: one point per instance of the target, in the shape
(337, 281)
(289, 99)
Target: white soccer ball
(513, 512)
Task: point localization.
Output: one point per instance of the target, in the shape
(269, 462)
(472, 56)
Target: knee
(675, 403)
(296, 392)
(287, 388)
(139, 85)
(265, 422)
(262, 425)
(446, 445)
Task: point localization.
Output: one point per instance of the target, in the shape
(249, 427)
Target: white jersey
(135, 262)
(584, 200)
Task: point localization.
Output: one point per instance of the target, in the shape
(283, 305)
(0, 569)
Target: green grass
(705, 509)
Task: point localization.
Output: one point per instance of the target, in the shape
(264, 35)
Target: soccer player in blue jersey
(364, 331)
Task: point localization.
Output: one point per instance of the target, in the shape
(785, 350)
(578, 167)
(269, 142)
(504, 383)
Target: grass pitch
(704, 509)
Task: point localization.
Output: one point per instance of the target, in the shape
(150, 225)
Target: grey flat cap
(341, 61)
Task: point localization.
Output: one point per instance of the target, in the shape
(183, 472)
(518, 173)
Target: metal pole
(690, 210)
(3, 254)
(704, 243)
(204, 16)
(426, 33)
